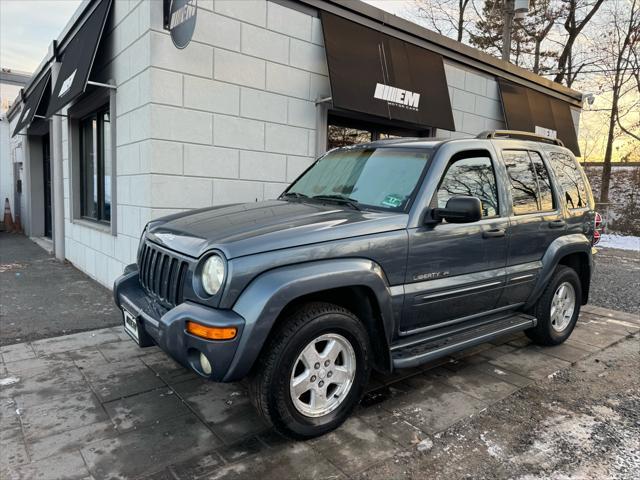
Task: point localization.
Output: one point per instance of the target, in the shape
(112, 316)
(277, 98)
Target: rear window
(571, 181)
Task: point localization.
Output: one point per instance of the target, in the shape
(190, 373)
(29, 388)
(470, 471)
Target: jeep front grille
(162, 275)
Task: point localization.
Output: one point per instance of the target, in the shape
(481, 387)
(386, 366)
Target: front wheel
(558, 308)
(313, 371)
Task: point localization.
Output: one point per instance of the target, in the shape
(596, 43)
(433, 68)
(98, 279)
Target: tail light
(598, 228)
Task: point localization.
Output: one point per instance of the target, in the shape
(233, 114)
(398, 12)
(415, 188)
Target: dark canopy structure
(36, 102)
(377, 74)
(525, 109)
(77, 59)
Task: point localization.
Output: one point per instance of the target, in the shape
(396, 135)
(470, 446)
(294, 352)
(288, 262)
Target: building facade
(236, 114)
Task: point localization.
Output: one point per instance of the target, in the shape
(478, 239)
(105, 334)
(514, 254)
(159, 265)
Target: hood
(246, 229)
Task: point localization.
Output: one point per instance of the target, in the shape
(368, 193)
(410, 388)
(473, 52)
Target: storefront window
(95, 166)
(342, 132)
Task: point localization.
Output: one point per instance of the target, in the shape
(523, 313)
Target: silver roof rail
(519, 135)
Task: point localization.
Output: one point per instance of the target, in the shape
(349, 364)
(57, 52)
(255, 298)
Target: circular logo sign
(182, 21)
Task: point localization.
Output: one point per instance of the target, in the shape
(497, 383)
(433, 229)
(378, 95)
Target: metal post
(507, 23)
(58, 178)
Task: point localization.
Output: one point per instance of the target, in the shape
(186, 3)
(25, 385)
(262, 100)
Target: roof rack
(519, 135)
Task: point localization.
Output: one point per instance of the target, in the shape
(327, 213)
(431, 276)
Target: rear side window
(530, 184)
(473, 177)
(570, 178)
(544, 182)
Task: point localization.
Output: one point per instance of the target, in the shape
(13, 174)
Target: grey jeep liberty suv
(385, 255)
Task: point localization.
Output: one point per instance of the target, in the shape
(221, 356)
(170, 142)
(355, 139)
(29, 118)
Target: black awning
(377, 74)
(532, 111)
(35, 102)
(77, 59)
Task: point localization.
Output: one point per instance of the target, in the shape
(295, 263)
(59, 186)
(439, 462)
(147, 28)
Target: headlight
(213, 274)
(141, 244)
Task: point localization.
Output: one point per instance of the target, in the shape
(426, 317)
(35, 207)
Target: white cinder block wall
(232, 116)
(123, 58)
(475, 101)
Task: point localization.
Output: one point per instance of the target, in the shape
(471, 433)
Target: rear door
(457, 270)
(535, 221)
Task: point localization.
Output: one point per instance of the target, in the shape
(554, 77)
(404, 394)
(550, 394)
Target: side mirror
(460, 210)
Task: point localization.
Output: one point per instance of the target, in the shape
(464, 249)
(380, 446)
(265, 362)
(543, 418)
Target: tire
(554, 330)
(286, 356)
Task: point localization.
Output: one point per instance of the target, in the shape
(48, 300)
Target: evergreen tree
(487, 34)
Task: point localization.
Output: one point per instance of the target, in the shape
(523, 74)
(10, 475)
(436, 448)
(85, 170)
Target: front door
(46, 173)
(457, 270)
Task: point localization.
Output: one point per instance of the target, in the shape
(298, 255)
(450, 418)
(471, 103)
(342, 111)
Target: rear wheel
(558, 308)
(313, 371)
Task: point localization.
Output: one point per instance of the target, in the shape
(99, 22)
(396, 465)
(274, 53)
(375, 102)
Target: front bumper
(167, 327)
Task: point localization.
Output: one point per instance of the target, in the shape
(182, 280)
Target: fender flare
(559, 248)
(267, 295)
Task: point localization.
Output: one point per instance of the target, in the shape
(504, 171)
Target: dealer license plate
(131, 325)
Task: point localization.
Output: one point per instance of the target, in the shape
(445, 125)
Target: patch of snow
(621, 242)
(493, 449)
(8, 381)
(499, 372)
(425, 445)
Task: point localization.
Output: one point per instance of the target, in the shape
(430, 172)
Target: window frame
(466, 155)
(100, 164)
(99, 99)
(550, 172)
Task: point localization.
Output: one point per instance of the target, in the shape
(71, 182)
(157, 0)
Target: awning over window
(77, 59)
(36, 102)
(532, 111)
(377, 74)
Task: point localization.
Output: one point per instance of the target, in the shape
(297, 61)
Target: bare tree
(574, 25)
(447, 17)
(543, 16)
(620, 70)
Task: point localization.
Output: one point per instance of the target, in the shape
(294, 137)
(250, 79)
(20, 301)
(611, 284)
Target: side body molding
(560, 247)
(267, 295)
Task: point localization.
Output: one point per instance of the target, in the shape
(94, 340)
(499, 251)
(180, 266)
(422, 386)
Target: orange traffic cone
(8, 219)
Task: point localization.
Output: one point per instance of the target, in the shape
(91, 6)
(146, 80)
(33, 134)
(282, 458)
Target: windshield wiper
(351, 202)
(293, 195)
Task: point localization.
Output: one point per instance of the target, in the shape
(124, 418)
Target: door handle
(557, 224)
(493, 233)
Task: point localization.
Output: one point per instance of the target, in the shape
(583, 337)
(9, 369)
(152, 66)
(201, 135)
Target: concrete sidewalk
(41, 297)
(94, 405)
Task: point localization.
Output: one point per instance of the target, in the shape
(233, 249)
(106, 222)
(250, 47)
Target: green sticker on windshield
(392, 201)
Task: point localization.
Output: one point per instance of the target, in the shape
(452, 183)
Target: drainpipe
(56, 161)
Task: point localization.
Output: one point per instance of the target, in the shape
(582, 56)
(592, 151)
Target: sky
(27, 28)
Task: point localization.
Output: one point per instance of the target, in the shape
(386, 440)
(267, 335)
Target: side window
(530, 183)
(95, 167)
(571, 181)
(524, 188)
(544, 183)
(472, 177)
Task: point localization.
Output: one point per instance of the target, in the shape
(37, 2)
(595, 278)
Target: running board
(431, 348)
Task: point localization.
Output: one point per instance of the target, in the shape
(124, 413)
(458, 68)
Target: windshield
(383, 178)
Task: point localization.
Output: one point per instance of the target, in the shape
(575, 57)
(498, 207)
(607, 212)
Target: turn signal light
(211, 333)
